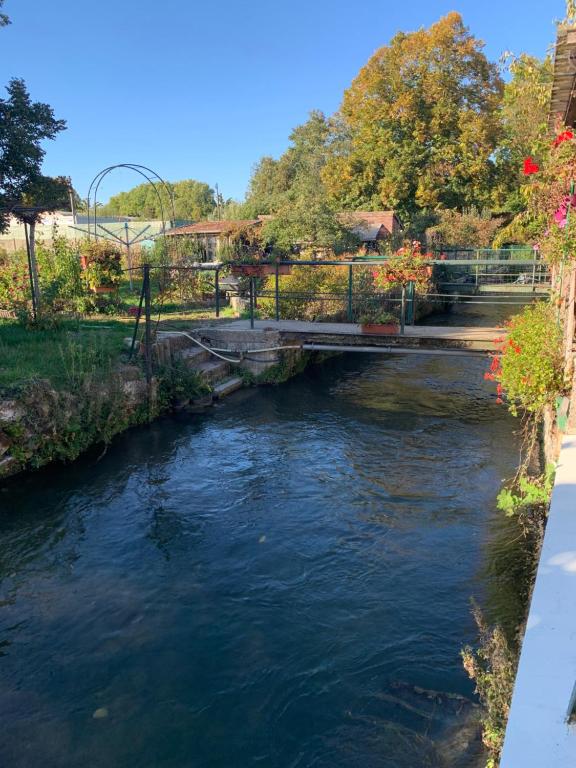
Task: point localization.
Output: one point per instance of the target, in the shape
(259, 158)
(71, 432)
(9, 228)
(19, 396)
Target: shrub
(60, 273)
(528, 367)
(528, 497)
(470, 229)
(14, 281)
(102, 263)
(407, 265)
(308, 293)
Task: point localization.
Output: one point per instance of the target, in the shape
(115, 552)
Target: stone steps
(226, 387)
(212, 372)
(194, 356)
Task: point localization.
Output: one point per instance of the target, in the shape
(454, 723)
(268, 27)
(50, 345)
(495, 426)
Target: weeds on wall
(493, 668)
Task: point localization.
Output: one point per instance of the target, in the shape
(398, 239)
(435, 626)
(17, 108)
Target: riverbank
(73, 387)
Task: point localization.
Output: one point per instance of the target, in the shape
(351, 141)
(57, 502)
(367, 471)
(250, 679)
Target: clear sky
(204, 89)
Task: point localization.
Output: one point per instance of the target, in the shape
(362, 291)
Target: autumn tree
(418, 127)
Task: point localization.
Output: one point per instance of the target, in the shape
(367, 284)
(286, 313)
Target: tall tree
(24, 124)
(418, 127)
(291, 189)
(192, 200)
(525, 122)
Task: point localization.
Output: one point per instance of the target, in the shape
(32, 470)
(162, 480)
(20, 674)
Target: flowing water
(283, 582)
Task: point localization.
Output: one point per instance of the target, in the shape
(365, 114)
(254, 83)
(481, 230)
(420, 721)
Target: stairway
(211, 369)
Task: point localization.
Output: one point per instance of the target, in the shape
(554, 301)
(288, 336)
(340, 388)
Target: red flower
(489, 376)
(499, 400)
(495, 364)
(530, 166)
(564, 136)
(499, 388)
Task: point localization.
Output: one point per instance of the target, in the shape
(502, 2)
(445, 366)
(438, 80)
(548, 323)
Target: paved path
(344, 334)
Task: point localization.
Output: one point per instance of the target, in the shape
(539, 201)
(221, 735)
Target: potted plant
(247, 252)
(101, 265)
(252, 269)
(378, 322)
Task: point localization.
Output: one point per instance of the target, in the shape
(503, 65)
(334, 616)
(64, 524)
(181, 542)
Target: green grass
(61, 355)
(75, 348)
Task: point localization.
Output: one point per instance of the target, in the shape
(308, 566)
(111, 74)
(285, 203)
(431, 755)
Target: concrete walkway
(429, 336)
(538, 733)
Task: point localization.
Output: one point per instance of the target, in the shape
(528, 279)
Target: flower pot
(385, 329)
(104, 288)
(252, 270)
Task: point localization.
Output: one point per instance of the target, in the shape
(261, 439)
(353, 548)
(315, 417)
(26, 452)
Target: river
(283, 582)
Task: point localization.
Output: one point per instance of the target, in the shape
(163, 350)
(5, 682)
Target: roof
(212, 227)
(563, 99)
(371, 225)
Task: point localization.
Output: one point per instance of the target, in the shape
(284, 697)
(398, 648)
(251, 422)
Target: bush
(529, 367)
(528, 497)
(14, 281)
(463, 230)
(60, 274)
(311, 293)
(102, 263)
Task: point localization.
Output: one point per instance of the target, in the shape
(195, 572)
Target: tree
(24, 124)
(291, 189)
(525, 122)
(419, 125)
(43, 194)
(192, 200)
(4, 20)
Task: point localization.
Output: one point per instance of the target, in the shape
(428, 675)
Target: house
(212, 234)
(370, 226)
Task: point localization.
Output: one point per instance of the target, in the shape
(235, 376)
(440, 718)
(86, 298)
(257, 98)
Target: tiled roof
(369, 225)
(212, 227)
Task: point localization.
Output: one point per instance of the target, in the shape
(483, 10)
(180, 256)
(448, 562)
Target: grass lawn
(76, 347)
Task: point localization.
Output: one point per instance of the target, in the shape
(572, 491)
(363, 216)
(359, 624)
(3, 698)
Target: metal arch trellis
(143, 170)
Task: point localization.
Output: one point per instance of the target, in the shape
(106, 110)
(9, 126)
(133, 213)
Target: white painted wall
(538, 734)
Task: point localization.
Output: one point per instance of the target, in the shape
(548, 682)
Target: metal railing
(465, 281)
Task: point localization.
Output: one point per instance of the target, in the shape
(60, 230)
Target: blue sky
(204, 89)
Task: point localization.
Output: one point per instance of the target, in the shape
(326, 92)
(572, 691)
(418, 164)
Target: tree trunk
(34, 265)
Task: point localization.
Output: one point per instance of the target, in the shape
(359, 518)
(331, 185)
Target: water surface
(283, 582)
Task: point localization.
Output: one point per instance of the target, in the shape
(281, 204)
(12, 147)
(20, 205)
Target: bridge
(239, 336)
(308, 320)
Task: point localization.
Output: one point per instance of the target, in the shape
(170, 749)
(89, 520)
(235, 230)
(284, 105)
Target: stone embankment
(43, 424)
